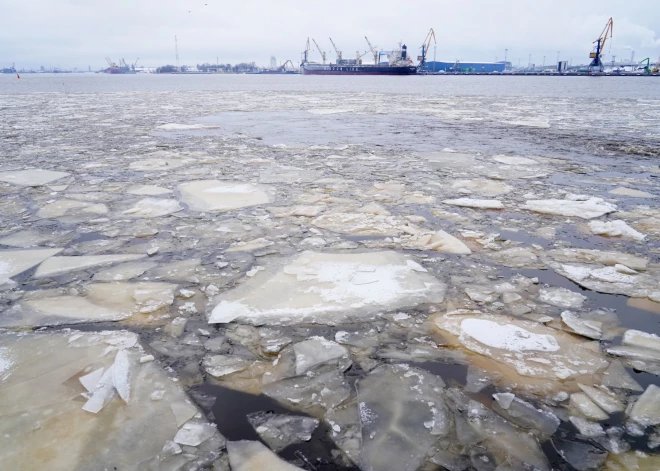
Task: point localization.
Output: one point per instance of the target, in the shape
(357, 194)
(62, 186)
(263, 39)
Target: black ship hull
(318, 69)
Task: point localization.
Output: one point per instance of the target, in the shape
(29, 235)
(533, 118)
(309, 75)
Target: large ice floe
(34, 177)
(14, 262)
(534, 351)
(585, 209)
(100, 302)
(606, 272)
(55, 266)
(81, 400)
(329, 288)
(217, 196)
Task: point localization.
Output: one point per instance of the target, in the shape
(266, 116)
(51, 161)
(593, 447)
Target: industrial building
(458, 66)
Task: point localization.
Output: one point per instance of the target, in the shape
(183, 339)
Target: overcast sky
(78, 33)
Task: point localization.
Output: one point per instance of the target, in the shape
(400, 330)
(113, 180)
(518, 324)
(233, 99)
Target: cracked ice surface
(50, 377)
(214, 193)
(329, 289)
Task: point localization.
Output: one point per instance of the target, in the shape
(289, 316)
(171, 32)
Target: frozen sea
(367, 273)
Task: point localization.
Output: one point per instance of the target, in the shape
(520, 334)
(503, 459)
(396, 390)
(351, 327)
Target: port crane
(425, 47)
(305, 53)
(337, 51)
(319, 49)
(374, 51)
(656, 69)
(646, 67)
(135, 63)
(282, 68)
(595, 56)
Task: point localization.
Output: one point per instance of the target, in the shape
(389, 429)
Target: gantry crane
(596, 62)
(337, 51)
(425, 47)
(374, 51)
(319, 49)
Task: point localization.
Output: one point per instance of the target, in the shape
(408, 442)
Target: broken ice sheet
(103, 302)
(33, 177)
(14, 262)
(123, 272)
(280, 431)
(246, 455)
(617, 228)
(439, 241)
(148, 190)
(42, 398)
(589, 209)
(562, 297)
(483, 187)
(316, 351)
(72, 209)
(56, 266)
(315, 392)
(26, 238)
(364, 224)
(533, 350)
(475, 203)
(153, 208)
(329, 288)
(217, 196)
(402, 412)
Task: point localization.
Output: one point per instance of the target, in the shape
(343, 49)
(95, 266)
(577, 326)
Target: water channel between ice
(280, 280)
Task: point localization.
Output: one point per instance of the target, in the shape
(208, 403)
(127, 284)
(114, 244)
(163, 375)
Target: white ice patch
(474, 203)
(216, 196)
(589, 209)
(14, 262)
(507, 336)
(34, 177)
(616, 228)
(328, 287)
(6, 363)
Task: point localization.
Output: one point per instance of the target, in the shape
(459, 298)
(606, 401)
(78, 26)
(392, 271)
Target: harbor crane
(305, 53)
(337, 51)
(374, 51)
(425, 47)
(595, 56)
(646, 67)
(656, 69)
(135, 63)
(319, 49)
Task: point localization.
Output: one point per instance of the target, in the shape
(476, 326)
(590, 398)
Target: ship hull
(359, 70)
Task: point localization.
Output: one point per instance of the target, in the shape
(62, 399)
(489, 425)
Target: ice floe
(617, 228)
(54, 373)
(533, 350)
(475, 203)
(14, 262)
(153, 208)
(34, 177)
(217, 196)
(56, 266)
(589, 209)
(246, 455)
(329, 288)
(101, 302)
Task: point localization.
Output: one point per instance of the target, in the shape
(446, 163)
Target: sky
(81, 33)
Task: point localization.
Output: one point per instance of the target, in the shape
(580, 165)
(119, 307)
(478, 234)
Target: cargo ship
(396, 63)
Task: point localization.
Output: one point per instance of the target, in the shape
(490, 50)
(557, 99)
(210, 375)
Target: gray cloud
(77, 33)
